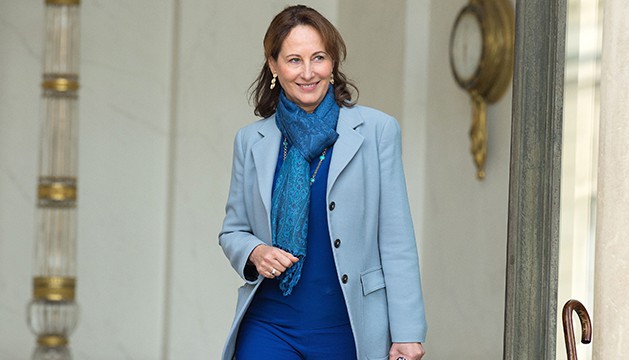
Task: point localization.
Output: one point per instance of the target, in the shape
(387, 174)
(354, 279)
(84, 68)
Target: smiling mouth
(308, 86)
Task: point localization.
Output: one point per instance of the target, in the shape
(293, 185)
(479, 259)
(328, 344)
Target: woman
(317, 220)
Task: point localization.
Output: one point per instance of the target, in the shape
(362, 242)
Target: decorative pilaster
(53, 312)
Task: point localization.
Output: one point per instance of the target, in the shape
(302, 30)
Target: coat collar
(347, 144)
(265, 151)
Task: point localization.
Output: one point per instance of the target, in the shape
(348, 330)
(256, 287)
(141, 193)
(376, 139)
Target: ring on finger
(273, 271)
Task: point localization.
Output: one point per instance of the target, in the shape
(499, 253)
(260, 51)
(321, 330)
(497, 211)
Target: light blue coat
(371, 218)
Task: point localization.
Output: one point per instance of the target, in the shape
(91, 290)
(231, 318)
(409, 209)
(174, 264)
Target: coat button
(344, 278)
(337, 243)
(331, 206)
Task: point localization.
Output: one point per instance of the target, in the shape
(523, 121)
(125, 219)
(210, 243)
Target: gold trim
(498, 52)
(54, 288)
(57, 192)
(60, 84)
(63, 2)
(494, 71)
(479, 135)
(52, 340)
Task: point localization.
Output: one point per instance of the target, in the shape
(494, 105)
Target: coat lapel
(265, 153)
(347, 144)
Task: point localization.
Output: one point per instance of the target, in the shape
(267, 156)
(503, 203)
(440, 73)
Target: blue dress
(312, 322)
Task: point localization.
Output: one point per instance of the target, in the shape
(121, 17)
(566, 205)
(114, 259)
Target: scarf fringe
(291, 277)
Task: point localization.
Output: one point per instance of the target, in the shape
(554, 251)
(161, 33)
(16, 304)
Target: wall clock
(481, 53)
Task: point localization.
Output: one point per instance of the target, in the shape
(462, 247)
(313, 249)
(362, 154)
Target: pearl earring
(332, 79)
(273, 82)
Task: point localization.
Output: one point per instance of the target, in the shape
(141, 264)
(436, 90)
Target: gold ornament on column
(53, 312)
(481, 57)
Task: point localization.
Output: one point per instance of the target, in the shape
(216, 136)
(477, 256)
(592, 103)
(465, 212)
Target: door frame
(534, 190)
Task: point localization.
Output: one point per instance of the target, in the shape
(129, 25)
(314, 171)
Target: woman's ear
(272, 65)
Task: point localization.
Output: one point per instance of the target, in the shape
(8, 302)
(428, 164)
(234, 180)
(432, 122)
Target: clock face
(466, 46)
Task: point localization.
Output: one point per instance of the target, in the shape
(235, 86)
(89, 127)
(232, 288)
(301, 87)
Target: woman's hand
(271, 261)
(407, 351)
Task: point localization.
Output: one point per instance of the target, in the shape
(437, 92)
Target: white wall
(20, 75)
(463, 220)
(610, 310)
(124, 122)
(160, 101)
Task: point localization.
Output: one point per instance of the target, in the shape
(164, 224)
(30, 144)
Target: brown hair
(265, 99)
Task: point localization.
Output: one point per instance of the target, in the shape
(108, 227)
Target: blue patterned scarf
(309, 135)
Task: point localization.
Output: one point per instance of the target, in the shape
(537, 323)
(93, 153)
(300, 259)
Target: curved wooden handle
(567, 326)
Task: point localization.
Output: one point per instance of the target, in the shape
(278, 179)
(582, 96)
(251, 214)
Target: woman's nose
(307, 71)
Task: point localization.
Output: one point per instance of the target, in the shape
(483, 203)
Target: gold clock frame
(494, 71)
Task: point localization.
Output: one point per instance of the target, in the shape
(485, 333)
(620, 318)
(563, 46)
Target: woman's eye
(294, 60)
(320, 58)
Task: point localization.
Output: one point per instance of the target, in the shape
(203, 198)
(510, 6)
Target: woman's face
(303, 67)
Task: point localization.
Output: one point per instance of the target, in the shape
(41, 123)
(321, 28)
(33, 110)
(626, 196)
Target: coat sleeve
(236, 237)
(397, 244)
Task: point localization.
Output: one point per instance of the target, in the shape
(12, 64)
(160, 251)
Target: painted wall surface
(610, 311)
(374, 32)
(20, 75)
(463, 223)
(160, 102)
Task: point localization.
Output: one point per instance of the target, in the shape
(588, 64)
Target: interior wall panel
(464, 220)
(20, 78)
